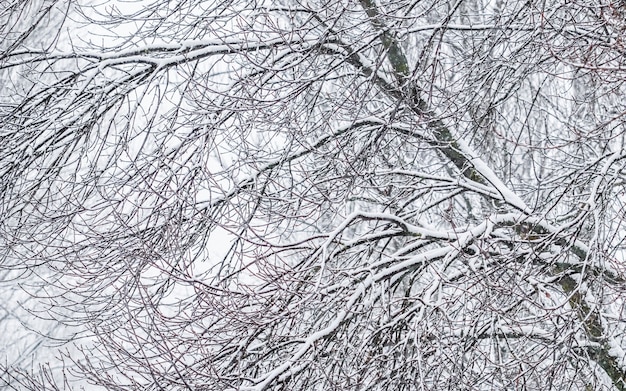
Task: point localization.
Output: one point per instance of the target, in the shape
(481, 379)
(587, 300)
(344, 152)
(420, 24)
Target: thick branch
(454, 150)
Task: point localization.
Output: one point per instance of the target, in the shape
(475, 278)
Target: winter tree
(319, 194)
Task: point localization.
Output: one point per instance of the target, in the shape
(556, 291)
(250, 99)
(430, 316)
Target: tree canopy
(317, 194)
